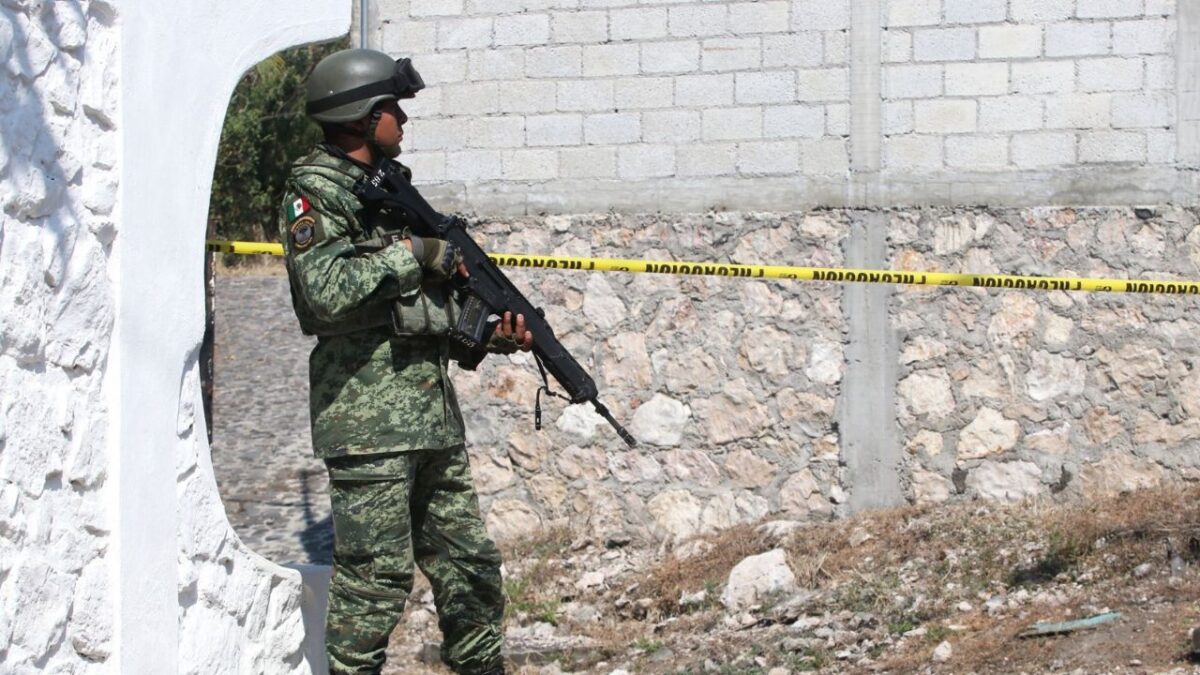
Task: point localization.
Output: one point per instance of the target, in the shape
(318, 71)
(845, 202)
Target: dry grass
(532, 587)
(991, 539)
(705, 571)
(1127, 523)
(1082, 551)
(543, 544)
(1152, 633)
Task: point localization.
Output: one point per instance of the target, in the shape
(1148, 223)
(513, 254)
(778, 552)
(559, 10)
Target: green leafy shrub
(265, 130)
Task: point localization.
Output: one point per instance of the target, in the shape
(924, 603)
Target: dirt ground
(899, 591)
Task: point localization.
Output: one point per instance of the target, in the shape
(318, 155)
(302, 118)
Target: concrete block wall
(622, 91)
(578, 105)
(1028, 85)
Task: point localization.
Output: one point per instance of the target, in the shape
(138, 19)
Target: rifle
(488, 292)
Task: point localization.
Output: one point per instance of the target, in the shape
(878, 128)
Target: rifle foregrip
(580, 386)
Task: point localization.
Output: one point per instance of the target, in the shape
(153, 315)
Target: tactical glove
(498, 344)
(438, 257)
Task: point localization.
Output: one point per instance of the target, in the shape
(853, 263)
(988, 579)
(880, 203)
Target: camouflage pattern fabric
(386, 419)
(370, 387)
(393, 510)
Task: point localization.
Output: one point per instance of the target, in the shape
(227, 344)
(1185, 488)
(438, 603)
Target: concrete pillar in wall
(1187, 44)
(870, 438)
(866, 103)
(867, 420)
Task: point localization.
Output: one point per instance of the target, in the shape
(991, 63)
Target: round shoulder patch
(304, 232)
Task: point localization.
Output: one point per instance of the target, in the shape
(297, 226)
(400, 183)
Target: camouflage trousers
(389, 512)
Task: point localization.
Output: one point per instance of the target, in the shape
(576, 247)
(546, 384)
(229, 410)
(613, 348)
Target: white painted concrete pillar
(180, 62)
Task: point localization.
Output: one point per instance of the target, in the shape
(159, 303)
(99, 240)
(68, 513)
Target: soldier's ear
(333, 130)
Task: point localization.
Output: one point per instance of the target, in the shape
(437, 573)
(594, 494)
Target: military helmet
(346, 85)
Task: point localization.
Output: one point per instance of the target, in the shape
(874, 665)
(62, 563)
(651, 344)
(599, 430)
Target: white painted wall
(577, 105)
(59, 171)
(177, 552)
(115, 554)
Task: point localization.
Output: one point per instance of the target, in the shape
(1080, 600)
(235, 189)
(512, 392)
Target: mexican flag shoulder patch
(298, 208)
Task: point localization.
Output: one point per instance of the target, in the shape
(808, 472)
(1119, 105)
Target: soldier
(384, 414)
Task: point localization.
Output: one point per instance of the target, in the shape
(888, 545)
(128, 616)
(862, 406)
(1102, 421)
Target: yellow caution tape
(243, 247)
(798, 273)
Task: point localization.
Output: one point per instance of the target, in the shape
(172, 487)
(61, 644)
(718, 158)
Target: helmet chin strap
(378, 151)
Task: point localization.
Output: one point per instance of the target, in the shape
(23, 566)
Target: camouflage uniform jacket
(374, 387)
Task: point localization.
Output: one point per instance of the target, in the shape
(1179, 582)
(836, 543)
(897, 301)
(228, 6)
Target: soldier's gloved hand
(510, 336)
(437, 256)
(501, 344)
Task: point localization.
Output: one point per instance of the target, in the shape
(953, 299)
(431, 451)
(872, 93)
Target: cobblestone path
(275, 491)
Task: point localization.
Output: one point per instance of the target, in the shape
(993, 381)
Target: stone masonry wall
(59, 160)
(571, 106)
(734, 386)
(729, 385)
(1010, 395)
